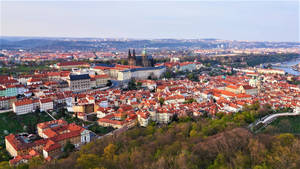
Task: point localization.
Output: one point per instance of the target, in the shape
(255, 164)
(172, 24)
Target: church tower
(131, 58)
(145, 60)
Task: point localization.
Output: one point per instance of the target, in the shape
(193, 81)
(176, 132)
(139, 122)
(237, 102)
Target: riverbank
(287, 66)
(296, 67)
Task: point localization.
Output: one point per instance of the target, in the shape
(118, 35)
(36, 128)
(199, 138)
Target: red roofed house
(163, 116)
(24, 106)
(143, 118)
(101, 80)
(34, 81)
(55, 135)
(22, 144)
(4, 103)
(187, 66)
(118, 120)
(248, 90)
(233, 88)
(46, 104)
(59, 132)
(174, 99)
(23, 159)
(71, 65)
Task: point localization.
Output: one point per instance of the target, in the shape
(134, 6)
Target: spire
(133, 53)
(144, 51)
(129, 54)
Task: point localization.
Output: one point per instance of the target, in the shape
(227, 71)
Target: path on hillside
(265, 121)
(6, 111)
(50, 115)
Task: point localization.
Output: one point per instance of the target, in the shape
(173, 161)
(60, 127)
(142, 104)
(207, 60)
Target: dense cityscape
(178, 103)
(75, 97)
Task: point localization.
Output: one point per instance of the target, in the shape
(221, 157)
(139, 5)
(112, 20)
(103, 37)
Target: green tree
(219, 163)
(109, 152)
(193, 133)
(35, 162)
(88, 161)
(286, 139)
(161, 101)
(69, 147)
(5, 165)
(132, 85)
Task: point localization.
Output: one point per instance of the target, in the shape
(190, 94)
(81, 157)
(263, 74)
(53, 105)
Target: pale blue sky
(231, 20)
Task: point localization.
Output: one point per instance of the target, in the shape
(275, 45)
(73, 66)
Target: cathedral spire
(133, 52)
(129, 54)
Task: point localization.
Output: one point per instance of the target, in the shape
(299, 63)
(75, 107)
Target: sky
(228, 20)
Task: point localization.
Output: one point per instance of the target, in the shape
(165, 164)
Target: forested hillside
(220, 143)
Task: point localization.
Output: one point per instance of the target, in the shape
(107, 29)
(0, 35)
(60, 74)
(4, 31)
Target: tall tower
(129, 54)
(131, 58)
(145, 60)
(133, 53)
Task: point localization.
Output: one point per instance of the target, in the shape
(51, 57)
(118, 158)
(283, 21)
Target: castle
(143, 60)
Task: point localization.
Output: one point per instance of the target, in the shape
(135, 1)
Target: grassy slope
(289, 124)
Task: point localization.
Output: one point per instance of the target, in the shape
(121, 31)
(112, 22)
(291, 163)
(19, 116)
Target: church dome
(144, 52)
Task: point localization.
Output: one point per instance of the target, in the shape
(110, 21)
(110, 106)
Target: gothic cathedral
(143, 60)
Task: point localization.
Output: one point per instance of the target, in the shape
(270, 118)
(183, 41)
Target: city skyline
(253, 21)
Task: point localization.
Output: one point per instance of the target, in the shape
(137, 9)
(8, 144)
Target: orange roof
(51, 145)
(233, 86)
(23, 102)
(49, 133)
(49, 123)
(34, 80)
(46, 100)
(101, 76)
(71, 63)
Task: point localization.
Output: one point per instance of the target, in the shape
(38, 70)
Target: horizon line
(127, 38)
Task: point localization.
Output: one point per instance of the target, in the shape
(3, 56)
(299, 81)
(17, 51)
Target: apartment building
(55, 135)
(8, 90)
(71, 65)
(79, 83)
(23, 106)
(46, 104)
(4, 103)
(101, 80)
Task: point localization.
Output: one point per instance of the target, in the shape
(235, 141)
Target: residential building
(141, 73)
(4, 103)
(79, 83)
(23, 106)
(55, 135)
(101, 80)
(46, 104)
(71, 65)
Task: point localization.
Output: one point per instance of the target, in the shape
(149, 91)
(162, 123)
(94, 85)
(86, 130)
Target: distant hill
(41, 43)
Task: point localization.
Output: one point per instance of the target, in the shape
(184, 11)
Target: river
(286, 66)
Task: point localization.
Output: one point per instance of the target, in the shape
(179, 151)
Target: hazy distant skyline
(232, 20)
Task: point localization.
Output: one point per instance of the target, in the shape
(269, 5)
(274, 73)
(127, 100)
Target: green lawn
(100, 130)
(23, 69)
(12, 123)
(289, 124)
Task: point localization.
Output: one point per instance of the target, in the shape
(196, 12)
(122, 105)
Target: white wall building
(141, 73)
(46, 104)
(23, 107)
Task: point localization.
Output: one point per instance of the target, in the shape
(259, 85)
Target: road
(5, 111)
(115, 84)
(50, 116)
(274, 116)
(265, 121)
